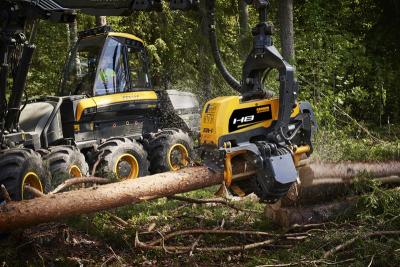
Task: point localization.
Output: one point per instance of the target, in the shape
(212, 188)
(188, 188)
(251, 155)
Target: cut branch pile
(268, 240)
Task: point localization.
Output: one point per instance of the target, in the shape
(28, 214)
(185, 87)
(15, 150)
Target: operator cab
(104, 62)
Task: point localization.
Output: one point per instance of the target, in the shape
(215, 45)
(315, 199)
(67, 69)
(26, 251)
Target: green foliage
(343, 51)
(346, 57)
(378, 205)
(49, 58)
(338, 144)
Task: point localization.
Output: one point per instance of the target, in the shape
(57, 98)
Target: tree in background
(101, 21)
(285, 17)
(244, 33)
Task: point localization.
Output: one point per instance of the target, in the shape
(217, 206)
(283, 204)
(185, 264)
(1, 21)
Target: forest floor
(108, 238)
(102, 239)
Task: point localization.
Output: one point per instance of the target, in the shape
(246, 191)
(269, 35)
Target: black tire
(161, 147)
(116, 156)
(66, 162)
(42, 152)
(21, 167)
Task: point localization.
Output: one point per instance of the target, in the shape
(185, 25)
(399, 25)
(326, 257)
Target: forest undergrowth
(202, 233)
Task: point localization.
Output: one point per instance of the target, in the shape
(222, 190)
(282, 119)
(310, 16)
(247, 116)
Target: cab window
(112, 74)
(80, 71)
(138, 67)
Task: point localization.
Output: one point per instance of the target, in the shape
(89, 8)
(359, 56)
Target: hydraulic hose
(235, 84)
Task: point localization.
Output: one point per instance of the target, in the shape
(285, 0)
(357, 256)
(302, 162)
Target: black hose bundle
(235, 84)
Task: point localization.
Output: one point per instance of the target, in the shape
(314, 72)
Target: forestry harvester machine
(238, 134)
(107, 110)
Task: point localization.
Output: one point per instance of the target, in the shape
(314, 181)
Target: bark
(67, 27)
(344, 172)
(101, 21)
(57, 206)
(322, 182)
(244, 40)
(204, 61)
(73, 32)
(285, 16)
(288, 216)
(73, 39)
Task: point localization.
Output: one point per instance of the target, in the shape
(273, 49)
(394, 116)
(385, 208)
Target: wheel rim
(31, 179)
(75, 171)
(127, 167)
(178, 157)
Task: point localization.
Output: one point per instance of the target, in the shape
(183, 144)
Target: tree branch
(33, 191)
(178, 249)
(348, 243)
(211, 231)
(212, 200)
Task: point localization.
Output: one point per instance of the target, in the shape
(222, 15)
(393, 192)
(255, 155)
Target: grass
(340, 145)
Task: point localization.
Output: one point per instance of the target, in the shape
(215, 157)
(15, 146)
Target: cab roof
(126, 35)
(107, 30)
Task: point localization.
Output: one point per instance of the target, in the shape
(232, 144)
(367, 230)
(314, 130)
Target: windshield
(137, 61)
(112, 75)
(81, 70)
(101, 66)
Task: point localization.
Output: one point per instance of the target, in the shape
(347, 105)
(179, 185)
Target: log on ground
(320, 172)
(58, 206)
(322, 182)
(52, 207)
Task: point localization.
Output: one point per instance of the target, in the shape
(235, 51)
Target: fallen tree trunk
(322, 182)
(331, 189)
(57, 206)
(321, 172)
(52, 207)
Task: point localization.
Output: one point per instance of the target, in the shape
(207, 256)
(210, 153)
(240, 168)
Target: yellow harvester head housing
(227, 116)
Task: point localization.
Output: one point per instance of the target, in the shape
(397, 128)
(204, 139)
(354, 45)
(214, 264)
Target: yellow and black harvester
(107, 113)
(252, 131)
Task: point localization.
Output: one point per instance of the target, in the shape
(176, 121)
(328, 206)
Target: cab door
(112, 79)
(138, 65)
